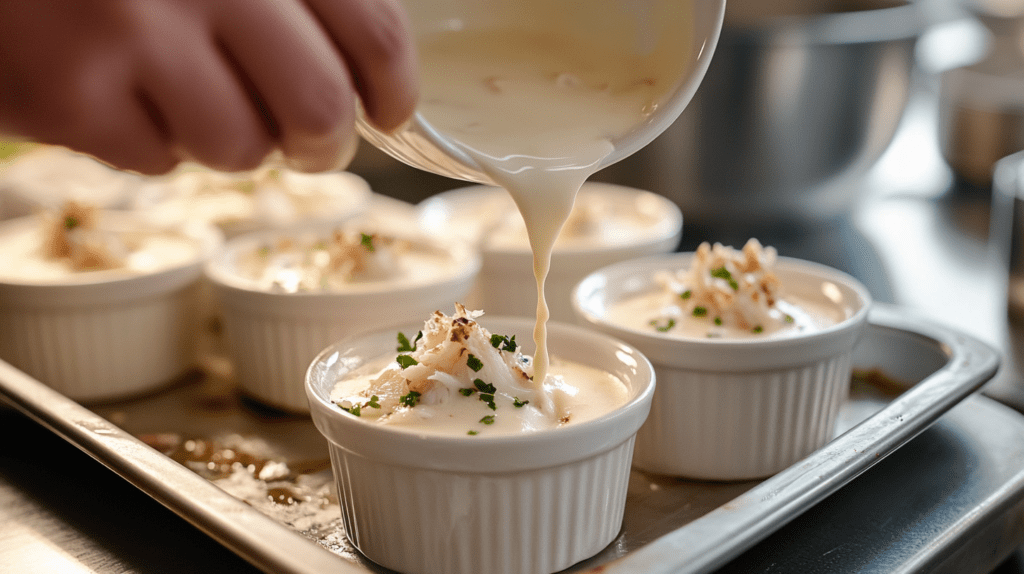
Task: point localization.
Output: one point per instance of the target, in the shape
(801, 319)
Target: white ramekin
(106, 335)
(272, 336)
(173, 197)
(506, 285)
(533, 503)
(735, 409)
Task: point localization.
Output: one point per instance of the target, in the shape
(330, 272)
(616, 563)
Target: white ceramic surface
(527, 504)
(506, 285)
(735, 409)
(272, 336)
(106, 335)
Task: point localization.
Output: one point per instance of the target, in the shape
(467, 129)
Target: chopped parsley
(663, 328)
(488, 420)
(723, 273)
(699, 311)
(484, 387)
(718, 320)
(472, 433)
(357, 408)
(518, 403)
(467, 392)
(403, 342)
(788, 318)
(410, 399)
(367, 242)
(70, 222)
(474, 363)
(758, 329)
(405, 361)
(487, 391)
(686, 294)
(504, 343)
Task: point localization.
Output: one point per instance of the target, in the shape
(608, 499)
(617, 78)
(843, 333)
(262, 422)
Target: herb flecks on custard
(726, 287)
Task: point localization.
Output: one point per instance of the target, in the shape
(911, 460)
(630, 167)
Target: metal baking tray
(259, 482)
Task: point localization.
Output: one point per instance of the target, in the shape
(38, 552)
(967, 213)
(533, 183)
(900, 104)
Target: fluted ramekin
(532, 503)
(735, 409)
(105, 335)
(272, 336)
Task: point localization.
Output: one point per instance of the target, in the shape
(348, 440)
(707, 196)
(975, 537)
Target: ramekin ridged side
(735, 408)
(542, 520)
(530, 502)
(736, 426)
(271, 352)
(104, 350)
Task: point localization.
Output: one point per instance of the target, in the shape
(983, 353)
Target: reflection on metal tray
(282, 512)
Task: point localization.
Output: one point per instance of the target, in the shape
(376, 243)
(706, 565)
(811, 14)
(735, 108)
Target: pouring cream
(538, 111)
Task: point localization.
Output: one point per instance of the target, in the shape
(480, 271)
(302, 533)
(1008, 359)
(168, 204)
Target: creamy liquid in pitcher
(538, 112)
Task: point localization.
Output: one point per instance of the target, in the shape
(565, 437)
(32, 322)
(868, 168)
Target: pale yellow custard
(77, 243)
(456, 378)
(265, 198)
(343, 259)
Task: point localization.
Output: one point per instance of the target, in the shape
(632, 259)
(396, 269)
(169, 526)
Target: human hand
(144, 84)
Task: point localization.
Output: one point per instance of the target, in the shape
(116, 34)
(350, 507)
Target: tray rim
(695, 547)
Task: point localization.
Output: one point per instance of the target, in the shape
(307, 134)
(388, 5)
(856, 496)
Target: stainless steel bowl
(801, 97)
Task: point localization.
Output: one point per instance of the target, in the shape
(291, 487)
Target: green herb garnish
(70, 222)
(484, 387)
(403, 342)
(788, 318)
(474, 363)
(504, 343)
(488, 420)
(466, 392)
(686, 294)
(723, 273)
(758, 329)
(718, 320)
(487, 391)
(357, 408)
(367, 242)
(663, 328)
(518, 403)
(405, 361)
(410, 399)
(699, 311)
(472, 433)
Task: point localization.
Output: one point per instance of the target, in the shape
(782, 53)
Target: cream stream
(538, 112)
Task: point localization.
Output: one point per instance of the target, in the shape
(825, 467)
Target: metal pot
(801, 97)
